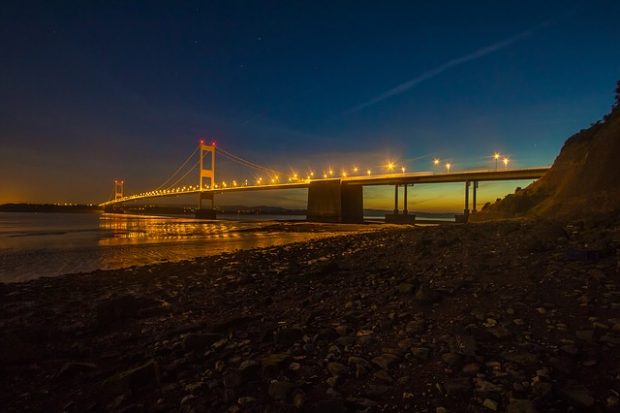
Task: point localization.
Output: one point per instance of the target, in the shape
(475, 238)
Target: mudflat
(517, 316)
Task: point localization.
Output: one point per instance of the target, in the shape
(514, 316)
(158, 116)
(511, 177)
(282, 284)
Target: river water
(33, 245)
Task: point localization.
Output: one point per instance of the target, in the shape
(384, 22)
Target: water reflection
(135, 229)
(54, 244)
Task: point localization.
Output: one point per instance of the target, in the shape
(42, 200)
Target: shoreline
(496, 316)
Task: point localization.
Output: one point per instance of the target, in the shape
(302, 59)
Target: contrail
(403, 87)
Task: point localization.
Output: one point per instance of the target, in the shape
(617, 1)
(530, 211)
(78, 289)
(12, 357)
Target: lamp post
(496, 157)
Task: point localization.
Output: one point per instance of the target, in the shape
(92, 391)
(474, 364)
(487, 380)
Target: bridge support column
(332, 201)
(466, 210)
(206, 213)
(396, 199)
(405, 211)
(473, 200)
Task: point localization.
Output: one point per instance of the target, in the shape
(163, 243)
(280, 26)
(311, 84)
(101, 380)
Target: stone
(274, 361)
(289, 335)
(490, 404)
(73, 368)
(421, 353)
(336, 369)
(405, 288)
(121, 308)
(471, 369)
(280, 389)
(525, 359)
(385, 361)
(457, 387)
(426, 295)
(579, 395)
(520, 406)
(146, 375)
(451, 358)
(232, 379)
(199, 342)
(249, 370)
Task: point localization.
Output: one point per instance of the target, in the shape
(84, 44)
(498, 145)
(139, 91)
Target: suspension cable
(247, 163)
(178, 169)
(184, 175)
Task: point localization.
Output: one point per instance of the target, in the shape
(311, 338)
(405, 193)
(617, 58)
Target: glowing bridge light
(505, 160)
(355, 169)
(402, 169)
(435, 161)
(344, 174)
(390, 166)
(324, 176)
(368, 172)
(448, 166)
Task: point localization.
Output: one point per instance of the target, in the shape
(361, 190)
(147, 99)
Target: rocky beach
(516, 316)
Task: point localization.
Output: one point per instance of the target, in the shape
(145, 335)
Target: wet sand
(512, 316)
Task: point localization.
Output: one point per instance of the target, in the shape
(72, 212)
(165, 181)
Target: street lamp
(496, 157)
(505, 160)
(402, 169)
(390, 166)
(448, 166)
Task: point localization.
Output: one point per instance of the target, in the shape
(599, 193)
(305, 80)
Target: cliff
(584, 178)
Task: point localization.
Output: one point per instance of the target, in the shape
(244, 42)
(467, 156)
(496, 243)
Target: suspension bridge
(331, 197)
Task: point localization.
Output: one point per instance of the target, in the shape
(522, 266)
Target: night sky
(96, 90)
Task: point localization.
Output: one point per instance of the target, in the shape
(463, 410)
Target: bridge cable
(178, 169)
(247, 163)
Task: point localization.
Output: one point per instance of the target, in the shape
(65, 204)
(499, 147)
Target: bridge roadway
(406, 178)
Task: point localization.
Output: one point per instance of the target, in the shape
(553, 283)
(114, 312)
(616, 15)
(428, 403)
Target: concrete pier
(333, 201)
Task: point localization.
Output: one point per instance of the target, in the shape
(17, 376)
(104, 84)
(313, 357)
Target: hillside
(584, 179)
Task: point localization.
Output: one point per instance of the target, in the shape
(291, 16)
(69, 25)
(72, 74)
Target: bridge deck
(386, 179)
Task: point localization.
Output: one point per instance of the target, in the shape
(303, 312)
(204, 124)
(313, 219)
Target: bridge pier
(396, 199)
(333, 201)
(206, 213)
(473, 200)
(405, 217)
(466, 210)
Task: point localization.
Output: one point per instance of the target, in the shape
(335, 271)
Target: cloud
(477, 54)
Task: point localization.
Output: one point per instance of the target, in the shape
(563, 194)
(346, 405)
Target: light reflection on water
(35, 245)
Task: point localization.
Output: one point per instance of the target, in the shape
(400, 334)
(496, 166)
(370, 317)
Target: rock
(199, 342)
(570, 349)
(585, 335)
(289, 335)
(520, 406)
(499, 331)
(578, 394)
(421, 353)
(336, 369)
(385, 361)
(249, 370)
(415, 327)
(425, 295)
(465, 344)
(383, 375)
(375, 390)
(146, 375)
(274, 362)
(329, 406)
(490, 404)
(73, 368)
(232, 379)
(405, 288)
(457, 387)
(279, 389)
(471, 369)
(450, 358)
(120, 308)
(525, 359)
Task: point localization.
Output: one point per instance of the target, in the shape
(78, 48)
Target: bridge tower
(118, 189)
(206, 180)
